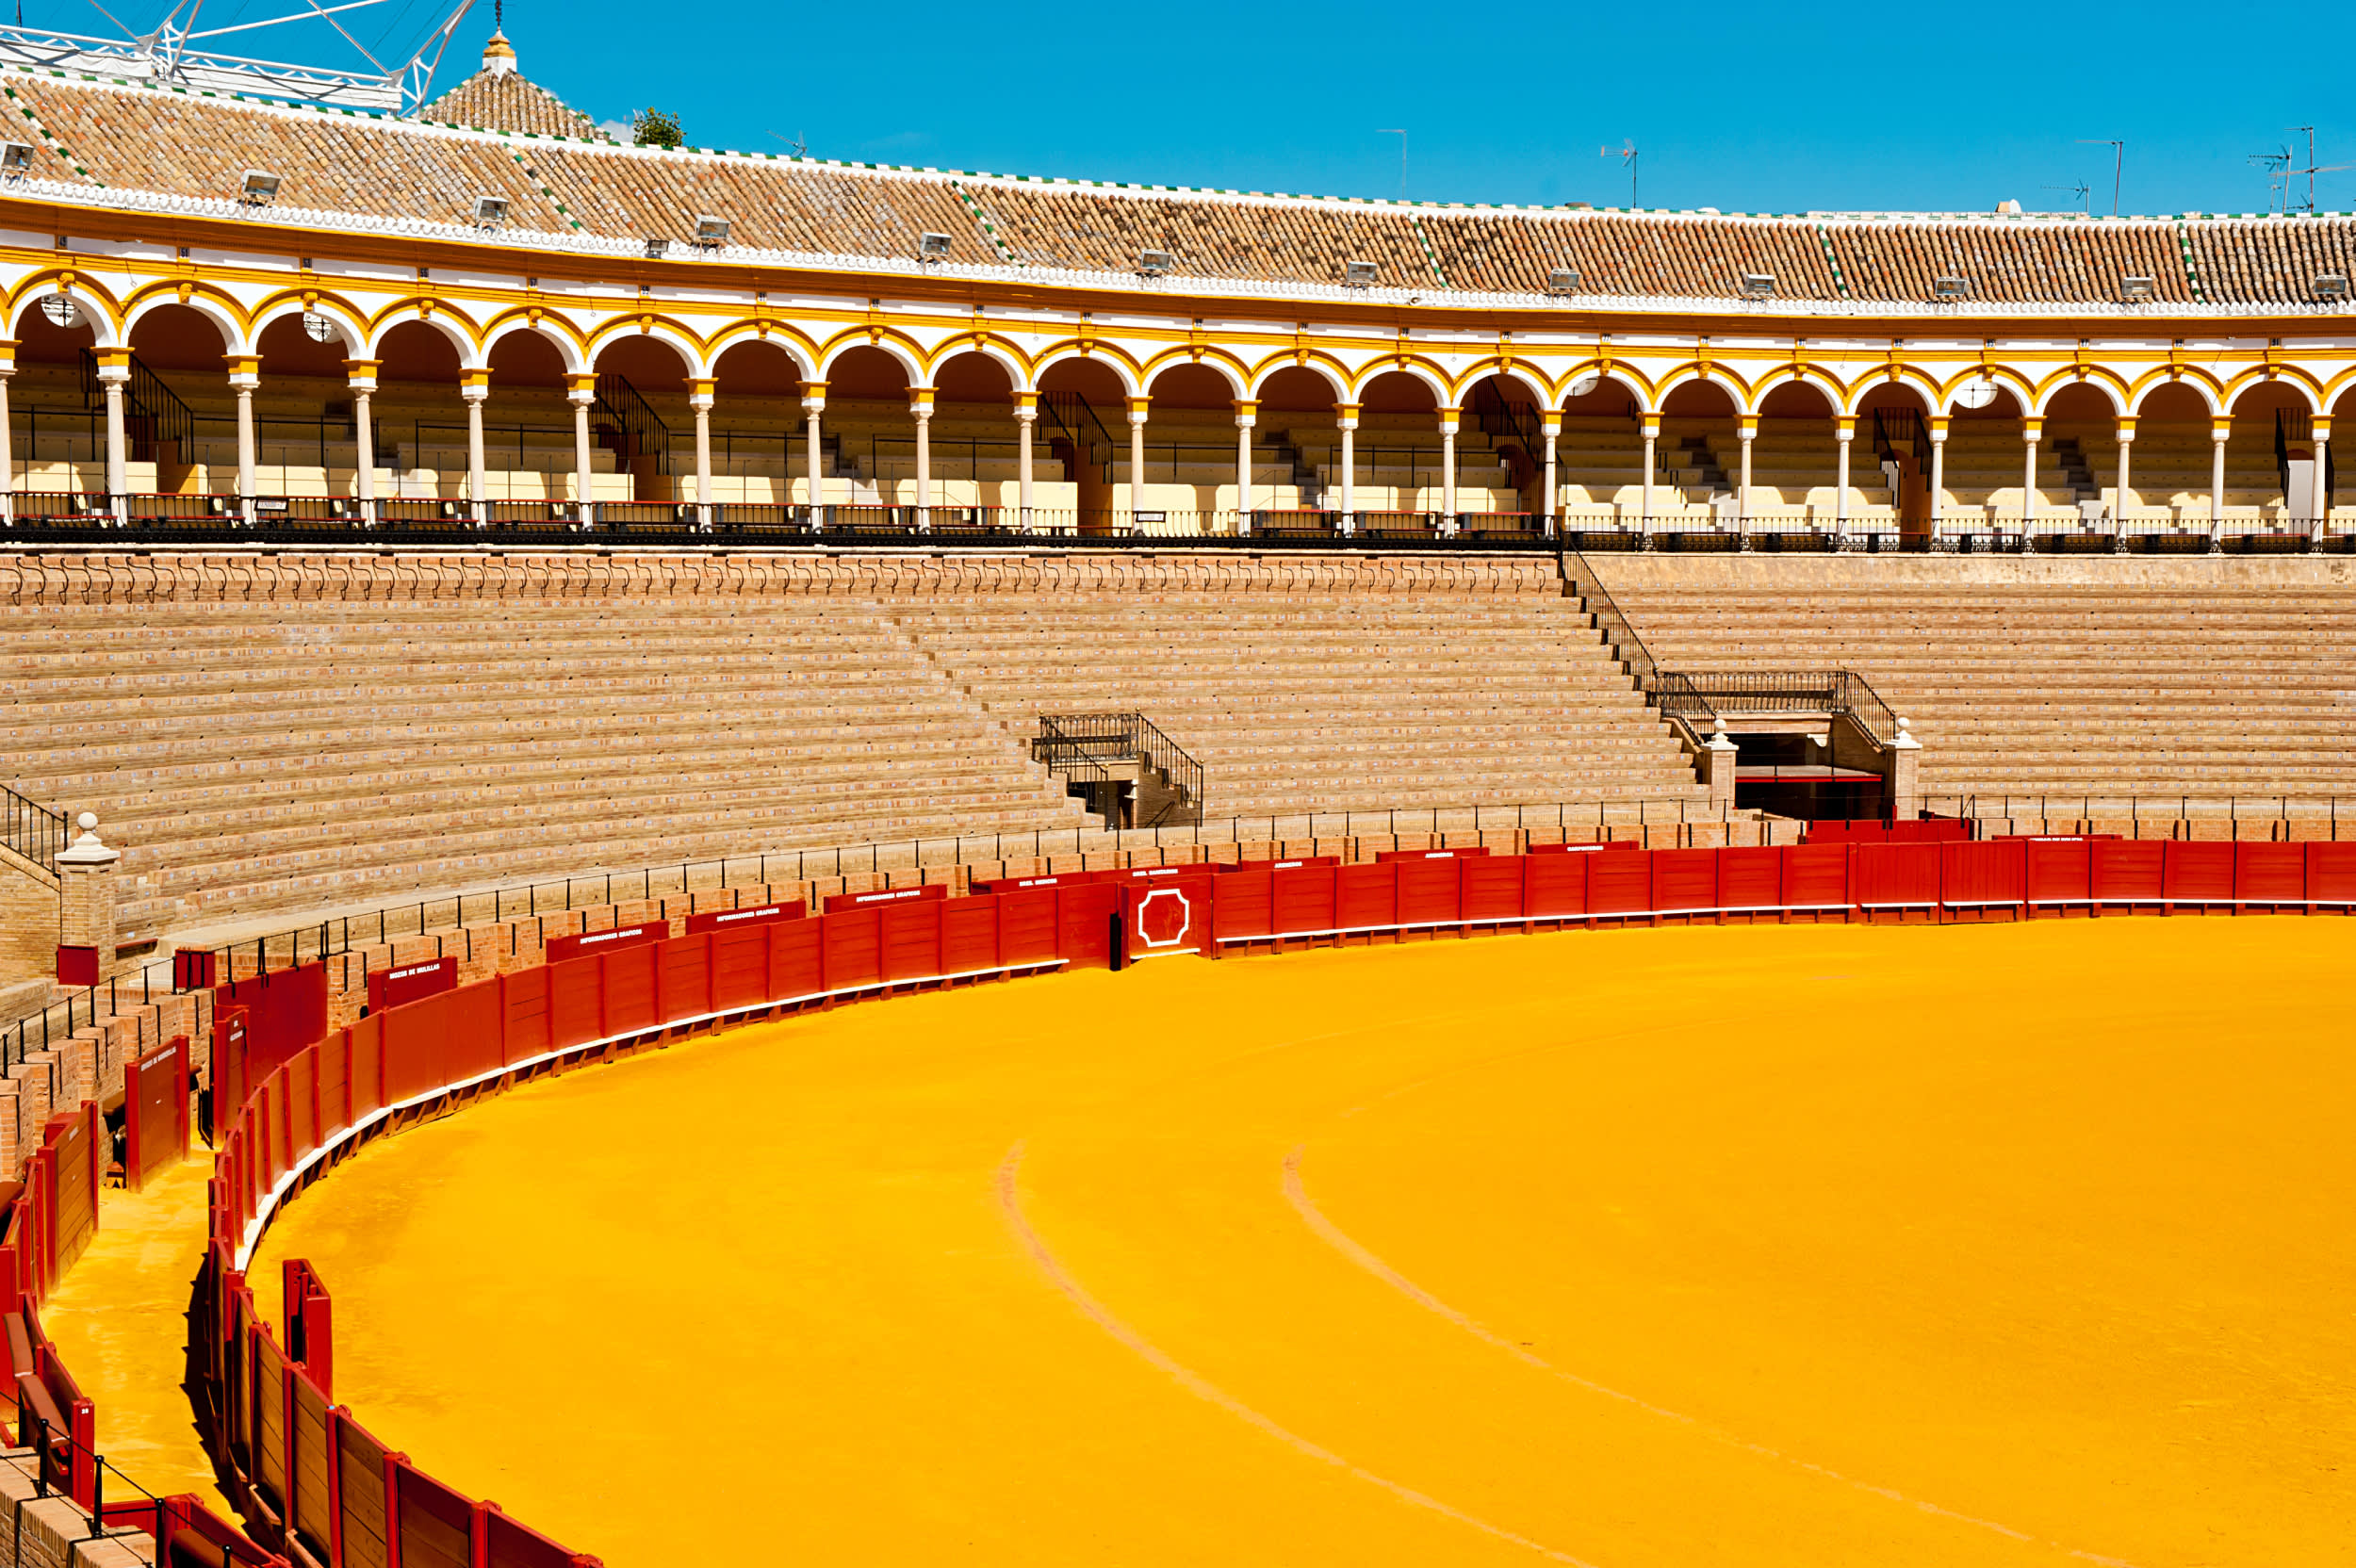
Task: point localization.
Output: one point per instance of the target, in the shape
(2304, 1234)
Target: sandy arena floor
(1774, 1246)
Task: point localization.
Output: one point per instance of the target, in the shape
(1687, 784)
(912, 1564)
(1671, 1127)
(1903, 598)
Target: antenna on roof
(799, 148)
(165, 55)
(1403, 159)
(2079, 191)
(1626, 155)
(2118, 163)
(2312, 169)
(2276, 164)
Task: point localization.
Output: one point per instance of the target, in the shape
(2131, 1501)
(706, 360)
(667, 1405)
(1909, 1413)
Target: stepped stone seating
(261, 756)
(2201, 677)
(1328, 699)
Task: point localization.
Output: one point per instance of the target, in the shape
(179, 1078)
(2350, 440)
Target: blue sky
(1745, 107)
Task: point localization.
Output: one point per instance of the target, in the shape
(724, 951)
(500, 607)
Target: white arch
(995, 352)
(2194, 385)
(1907, 377)
(906, 361)
(456, 336)
(1618, 378)
(1708, 374)
(1119, 367)
(96, 314)
(803, 370)
(2306, 395)
(1822, 385)
(1372, 373)
(2100, 383)
(350, 330)
(233, 340)
(1269, 372)
(566, 350)
(1527, 380)
(1235, 383)
(689, 350)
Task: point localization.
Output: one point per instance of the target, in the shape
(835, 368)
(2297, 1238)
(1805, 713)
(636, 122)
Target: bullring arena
(722, 857)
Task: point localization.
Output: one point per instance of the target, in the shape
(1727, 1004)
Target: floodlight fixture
(2331, 285)
(2137, 290)
(1155, 264)
(1562, 280)
(1758, 285)
(490, 212)
(712, 233)
(1950, 287)
(16, 157)
(931, 246)
(1358, 274)
(259, 188)
(658, 249)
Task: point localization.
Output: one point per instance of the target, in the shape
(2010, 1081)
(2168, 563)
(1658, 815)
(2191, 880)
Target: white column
(361, 374)
(580, 391)
(2321, 433)
(1652, 436)
(2218, 430)
(814, 404)
(1247, 416)
(1345, 416)
(114, 374)
(1938, 471)
(475, 389)
(245, 375)
(1136, 457)
(1551, 506)
(699, 401)
(1025, 417)
(1843, 431)
(921, 405)
(1448, 470)
(8, 446)
(1746, 431)
(2030, 430)
(2125, 492)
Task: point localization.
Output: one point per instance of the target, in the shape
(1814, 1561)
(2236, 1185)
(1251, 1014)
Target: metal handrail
(1075, 417)
(635, 420)
(32, 832)
(1788, 692)
(154, 414)
(1078, 745)
(1627, 646)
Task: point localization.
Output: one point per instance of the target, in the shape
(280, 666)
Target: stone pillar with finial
(1718, 757)
(1905, 789)
(85, 900)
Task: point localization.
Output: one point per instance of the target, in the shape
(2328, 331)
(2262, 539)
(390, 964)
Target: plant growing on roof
(653, 127)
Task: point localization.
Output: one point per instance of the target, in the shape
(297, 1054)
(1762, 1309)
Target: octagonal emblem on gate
(1164, 918)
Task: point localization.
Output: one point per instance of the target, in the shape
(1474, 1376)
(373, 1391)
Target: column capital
(814, 389)
(1245, 408)
(2220, 426)
(921, 401)
(360, 374)
(580, 384)
(814, 404)
(475, 380)
(1746, 425)
(1025, 414)
(1448, 420)
(245, 370)
(1937, 423)
(2126, 423)
(1552, 425)
(2321, 427)
(1843, 426)
(7, 356)
(1649, 426)
(1137, 407)
(1026, 400)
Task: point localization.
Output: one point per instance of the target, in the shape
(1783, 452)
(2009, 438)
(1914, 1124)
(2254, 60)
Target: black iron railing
(1078, 746)
(1626, 645)
(154, 418)
(629, 425)
(31, 831)
(1731, 692)
(1075, 418)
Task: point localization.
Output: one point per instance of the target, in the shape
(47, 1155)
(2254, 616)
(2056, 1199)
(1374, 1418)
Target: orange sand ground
(1778, 1246)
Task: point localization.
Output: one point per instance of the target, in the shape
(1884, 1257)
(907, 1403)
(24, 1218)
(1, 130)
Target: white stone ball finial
(87, 822)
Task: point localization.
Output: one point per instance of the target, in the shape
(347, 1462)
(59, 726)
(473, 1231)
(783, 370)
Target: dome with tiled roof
(497, 98)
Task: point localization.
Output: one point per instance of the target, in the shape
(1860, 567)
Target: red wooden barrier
(1684, 879)
(1490, 887)
(1466, 851)
(740, 966)
(1555, 885)
(1619, 884)
(910, 940)
(1982, 876)
(852, 942)
(1174, 916)
(684, 979)
(630, 1005)
(1430, 888)
(796, 958)
(1027, 929)
(1084, 915)
(527, 1031)
(580, 944)
(2123, 871)
(2060, 870)
(1750, 878)
(2196, 873)
(1301, 899)
(1246, 904)
(1365, 896)
(2331, 873)
(929, 891)
(2271, 873)
(154, 1113)
(723, 920)
(393, 987)
(969, 935)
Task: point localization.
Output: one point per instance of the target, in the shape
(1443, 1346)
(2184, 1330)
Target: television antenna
(1403, 159)
(2118, 163)
(1626, 155)
(2079, 191)
(176, 52)
(2311, 169)
(799, 148)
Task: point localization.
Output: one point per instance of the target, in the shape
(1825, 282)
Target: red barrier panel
(1894, 876)
(1430, 888)
(154, 1113)
(2271, 873)
(74, 1152)
(725, 919)
(1247, 905)
(1466, 852)
(2331, 872)
(740, 966)
(1084, 918)
(1301, 898)
(1684, 879)
(923, 895)
(1365, 896)
(1168, 917)
(631, 1004)
(1619, 884)
(576, 1002)
(2196, 873)
(1554, 886)
(1979, 876)
(969, 933)
(392, 987)
(334, 1084)
(434, 1523)
(1018, 884)
(1931, 830)
(366, 1073)
(582, 944)
(229, 1053)
(910, 939)
(2123, 871)
(797, 959)
(852, 942)
(683, 978)
(1026, 926)
(1583, 849)
(525, 1032)
(1490, 887)
(442, 1040)
(302, 1105)
(509, 1545)
(1225, 866)
(2058, 870)
(1750, 878)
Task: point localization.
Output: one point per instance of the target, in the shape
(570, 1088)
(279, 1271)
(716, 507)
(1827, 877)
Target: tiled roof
(557, 180)
(503, 101)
